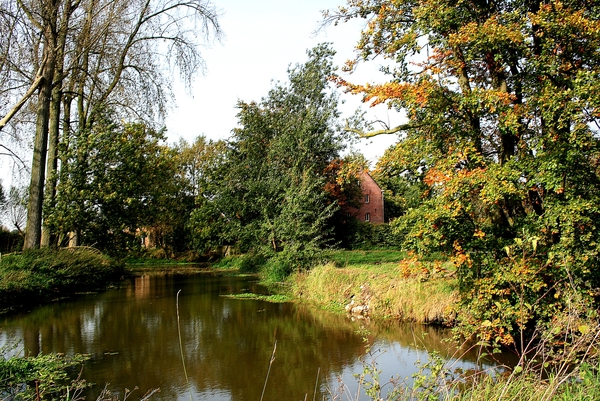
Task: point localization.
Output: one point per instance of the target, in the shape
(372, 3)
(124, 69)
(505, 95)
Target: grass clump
(274, 298)
(45, 274)
(581, 384)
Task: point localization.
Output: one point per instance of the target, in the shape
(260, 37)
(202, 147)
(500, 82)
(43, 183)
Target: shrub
(369, 236)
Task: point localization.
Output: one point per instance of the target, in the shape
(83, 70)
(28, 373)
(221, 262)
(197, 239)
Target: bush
(369, 236)
(10, 241)
(246, 263)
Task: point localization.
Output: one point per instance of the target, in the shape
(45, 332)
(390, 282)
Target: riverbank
(38, 276)
(367, 284)
(382, 285)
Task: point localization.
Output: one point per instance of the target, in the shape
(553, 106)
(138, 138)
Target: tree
(343, 187)
(126, 183)
(95, 54)
(502, 125)
(273, 166)
(196, 161)
(403, 189)
(15, 209)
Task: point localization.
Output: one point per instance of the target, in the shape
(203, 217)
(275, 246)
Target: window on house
(367, 216)
(367, 200)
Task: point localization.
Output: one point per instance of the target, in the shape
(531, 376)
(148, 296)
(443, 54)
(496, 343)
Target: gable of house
(371, 205)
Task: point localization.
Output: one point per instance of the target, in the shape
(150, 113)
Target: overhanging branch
(34, 86)
(386, 131)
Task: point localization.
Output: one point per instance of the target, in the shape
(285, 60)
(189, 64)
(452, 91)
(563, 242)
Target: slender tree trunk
(52, 164)
(54, 126)
(33, 230)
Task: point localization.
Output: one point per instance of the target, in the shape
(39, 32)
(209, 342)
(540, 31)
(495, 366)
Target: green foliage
(10, 241)
(42, 377)
(117, 182)
(355, 258)
(37, 275)
(374, 236)
(266, 191)
(247, 263)
(403, 190)
(274, 298)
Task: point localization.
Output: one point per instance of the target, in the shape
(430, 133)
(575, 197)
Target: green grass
(41, 275)
(343, 258)
(388, 283)
(274, 298)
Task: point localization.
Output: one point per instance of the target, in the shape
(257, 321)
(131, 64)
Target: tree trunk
(52, 164)
(54, 125)
(33, 230)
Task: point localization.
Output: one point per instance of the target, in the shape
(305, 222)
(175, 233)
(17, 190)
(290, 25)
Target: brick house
(371, 209)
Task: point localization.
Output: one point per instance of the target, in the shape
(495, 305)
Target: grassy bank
(40, 275)
(388, 284)
(380, 284)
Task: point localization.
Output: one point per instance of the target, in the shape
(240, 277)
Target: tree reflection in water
(132, 336)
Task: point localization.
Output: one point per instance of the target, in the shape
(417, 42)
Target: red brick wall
(372, 203)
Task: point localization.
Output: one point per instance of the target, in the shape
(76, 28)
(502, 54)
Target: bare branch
(385, 131)
(15, 156)
(34, 86)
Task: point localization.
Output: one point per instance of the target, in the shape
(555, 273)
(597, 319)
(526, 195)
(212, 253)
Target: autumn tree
(502, 108)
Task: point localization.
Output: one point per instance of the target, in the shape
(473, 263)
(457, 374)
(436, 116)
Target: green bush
(10, 240)
(47, 372)
(369, 236)
(246, 263)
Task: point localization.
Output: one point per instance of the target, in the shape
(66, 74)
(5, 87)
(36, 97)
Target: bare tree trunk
(33, 230)
(54, 126)
(52, 164)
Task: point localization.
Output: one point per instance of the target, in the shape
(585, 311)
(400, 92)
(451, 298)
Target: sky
(262, 38)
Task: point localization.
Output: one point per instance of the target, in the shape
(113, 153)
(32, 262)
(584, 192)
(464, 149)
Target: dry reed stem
(269, 370)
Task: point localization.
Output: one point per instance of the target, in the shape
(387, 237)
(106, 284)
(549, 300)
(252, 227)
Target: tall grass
(420, 293)
(534, 378)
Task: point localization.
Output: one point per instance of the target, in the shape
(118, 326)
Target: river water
(132, 336)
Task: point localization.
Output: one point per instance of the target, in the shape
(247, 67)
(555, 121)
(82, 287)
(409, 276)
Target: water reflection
(133, 338)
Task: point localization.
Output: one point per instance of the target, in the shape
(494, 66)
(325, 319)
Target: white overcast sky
(262, 38)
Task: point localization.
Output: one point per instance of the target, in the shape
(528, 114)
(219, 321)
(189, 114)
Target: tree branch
(13, 155)
(34, 86)
(386, 131)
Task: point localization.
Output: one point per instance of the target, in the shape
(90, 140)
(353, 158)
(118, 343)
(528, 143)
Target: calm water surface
(131, 334)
